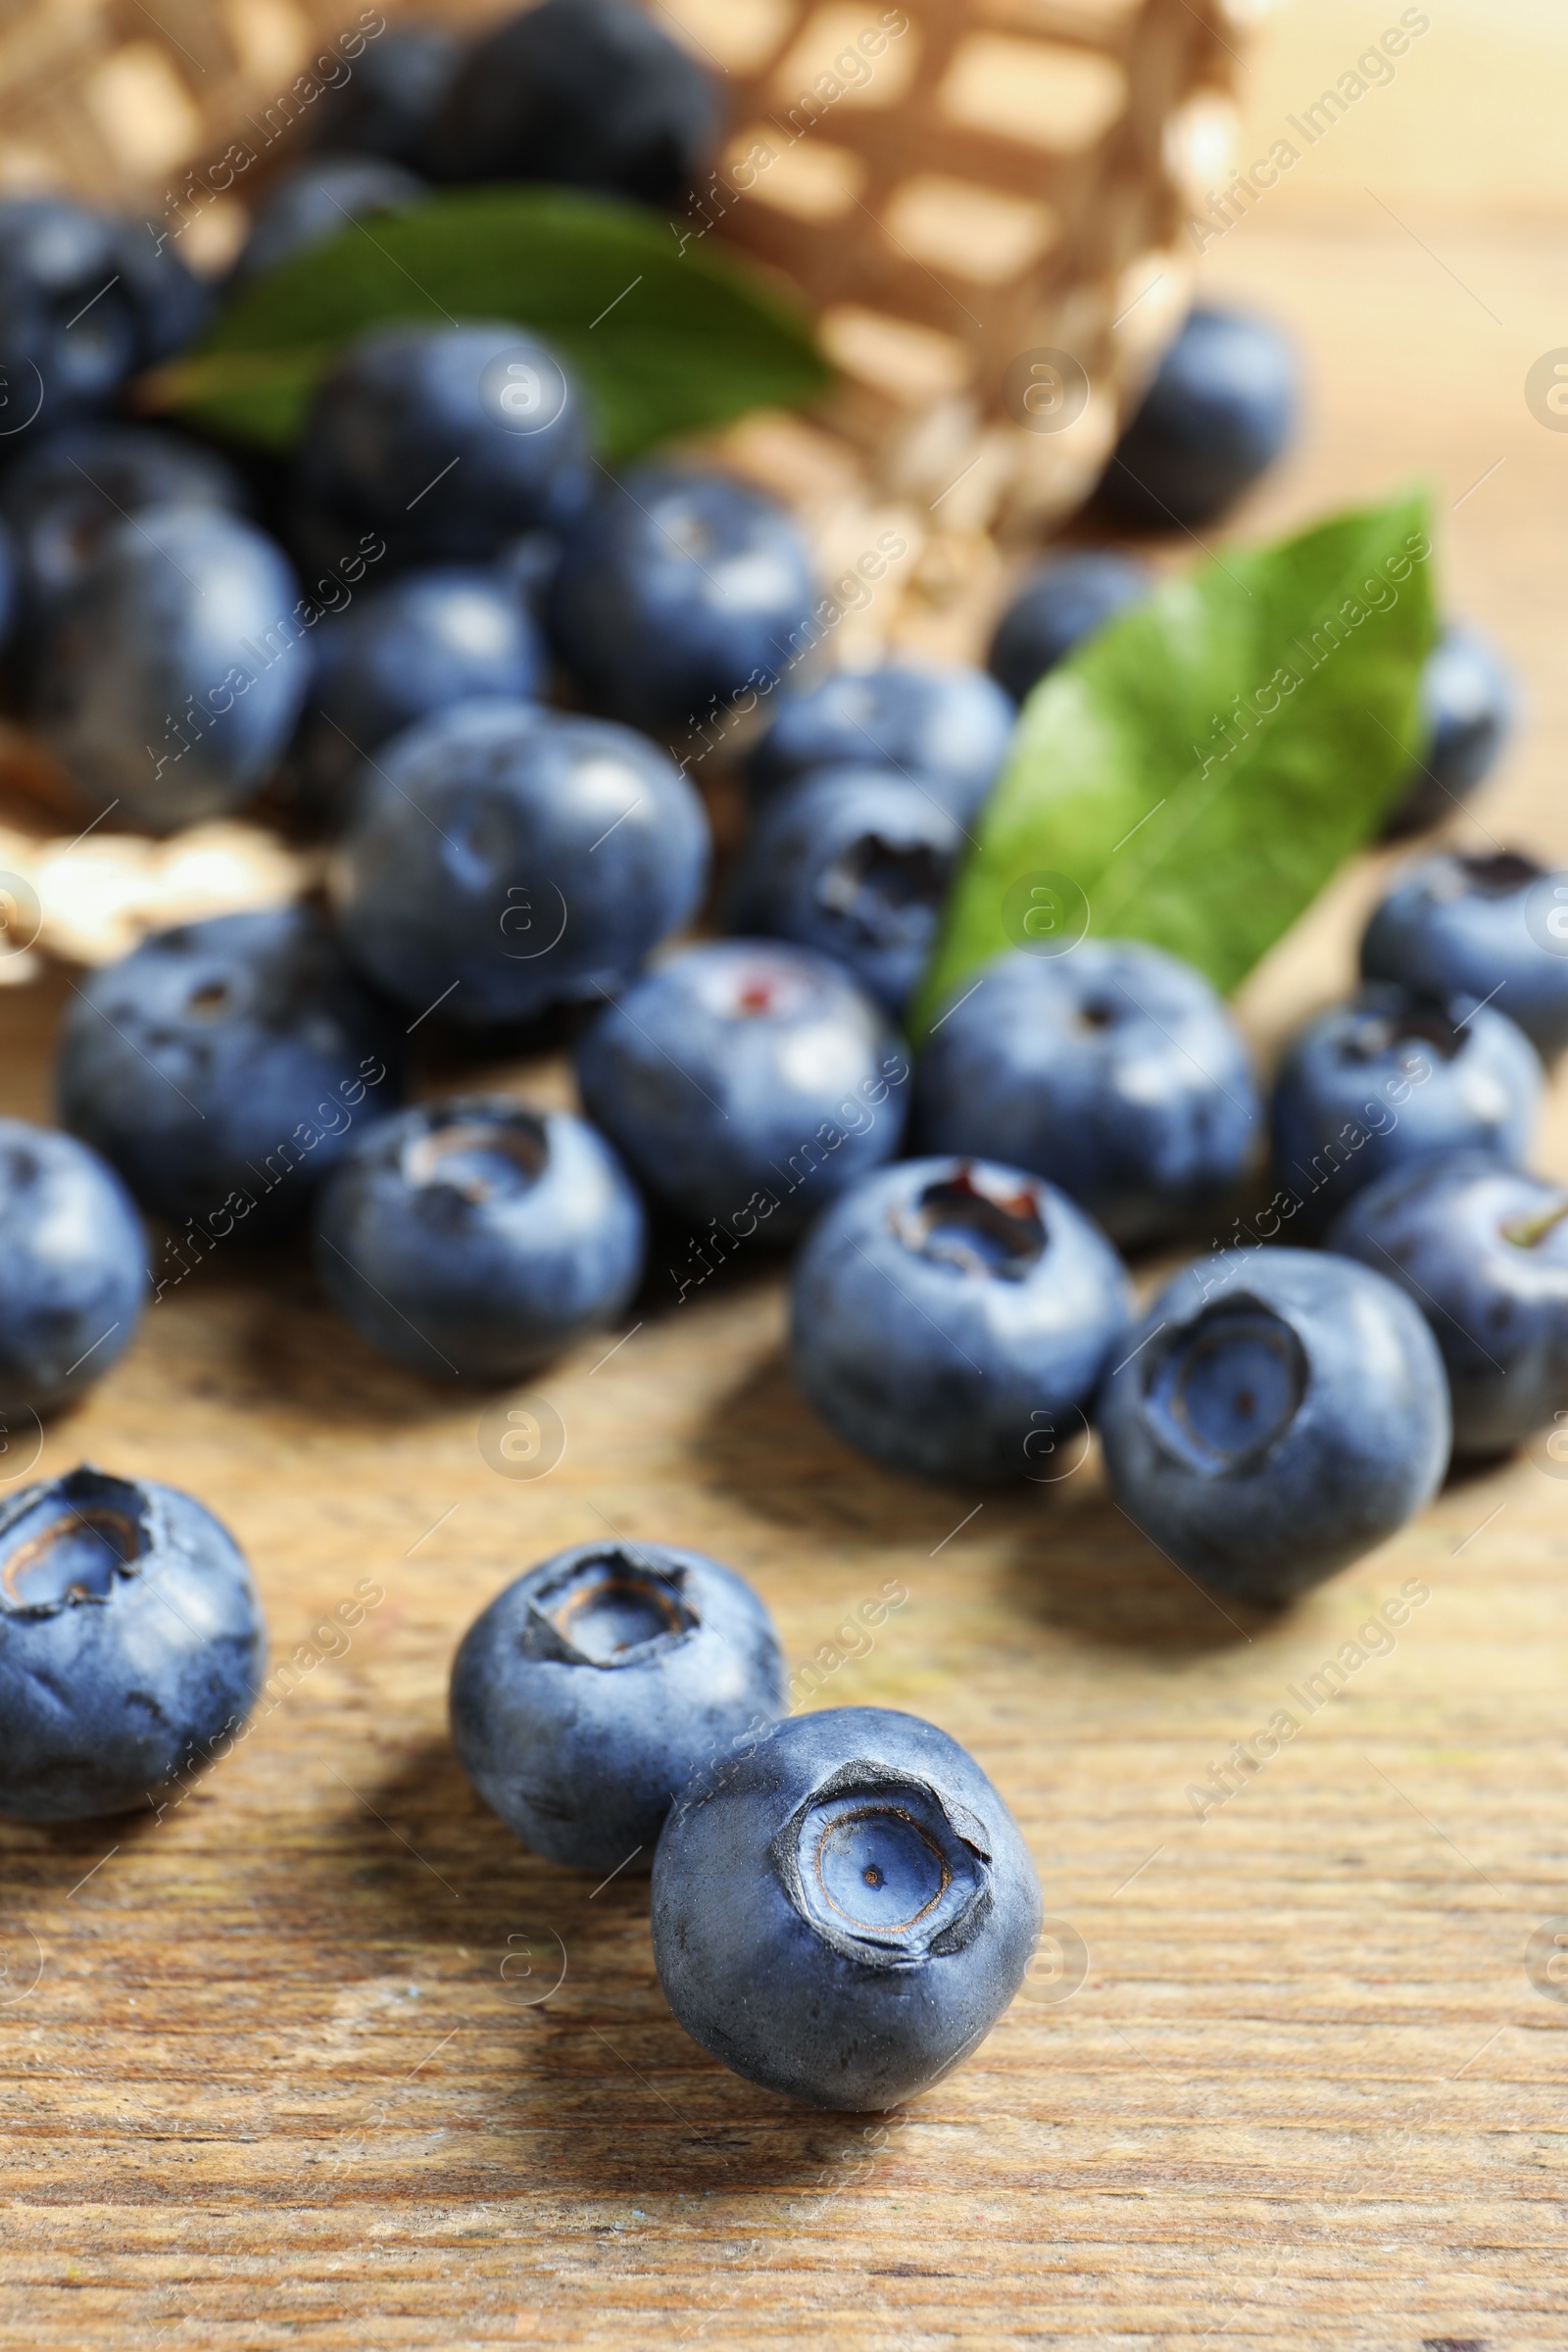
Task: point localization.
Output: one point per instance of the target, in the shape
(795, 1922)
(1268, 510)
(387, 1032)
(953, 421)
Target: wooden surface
(281, 2078)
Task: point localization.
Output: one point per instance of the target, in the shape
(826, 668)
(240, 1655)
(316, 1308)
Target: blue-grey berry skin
(73, 1268)
(842, 1911)
(747, 1083)
(1278, 1413)
(854, 862)
(1222, 407)
(474, 1239)
(86, 299)
(221, 1066)
(173, 673)
(403, 652)
(385, 107)
(1114, 1071)
(65, 495)
(1392, 1078)
(411, 436)
(1469, 701)
(502, 857)
(131, 1643)
(1482, 1252)
(1480, 927)
(1060, 604)
(946, 729)
(678, 592)
(588, 94)
(317, 201)
(953, 1318)
(592, 1690)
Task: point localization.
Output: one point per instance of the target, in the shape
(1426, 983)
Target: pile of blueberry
(490, 704)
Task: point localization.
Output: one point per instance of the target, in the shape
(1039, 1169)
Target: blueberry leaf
(664, 340)
(1198, 769)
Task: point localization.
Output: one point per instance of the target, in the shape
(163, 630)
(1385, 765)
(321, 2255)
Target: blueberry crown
(71, 1541)
(883, 1868)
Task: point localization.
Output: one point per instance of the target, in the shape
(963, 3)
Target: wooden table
(278, 2068)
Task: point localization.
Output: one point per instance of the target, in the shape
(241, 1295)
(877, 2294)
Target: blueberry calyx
(884, 888)
(1378, 1033)
(968, 1222)
(70, 1541)
(1227, 1387)
(1496, 877)
(884, 1868)
(610, 1610)
(476, 1155)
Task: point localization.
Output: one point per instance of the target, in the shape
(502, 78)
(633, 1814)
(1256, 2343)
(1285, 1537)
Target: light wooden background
(265, 2081)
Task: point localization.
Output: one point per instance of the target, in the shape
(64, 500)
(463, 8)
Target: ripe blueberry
(317, 201)
(85, 301)
(1493, 927)
(844, 1910)
(1221, 408)
(946, 730)
(73, 1268)
(591, 1691)
(1060, 604)
(1468, 699)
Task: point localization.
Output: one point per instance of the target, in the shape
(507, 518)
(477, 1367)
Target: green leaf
(1200, 769)
(664, 341)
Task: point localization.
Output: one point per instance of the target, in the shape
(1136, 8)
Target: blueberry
(746, 1084)
(1278, 1413)
(944, 729)
(1482, 1252)
(953, 1318)
(64, 497)
(844, 1910)
(1221, 408)
(131, 1641)
(1392, 1078)
(219, 1068)
(853, 862)
(591, 1691)
(11, 583)
(85, 301)
(588, 92)
(474, 1238)
(678, 592)
(1060, 604)
(317, 201)
(390, 98)
(447, 441)
(502, 858)
(1480, 927)
(73, 1268)
(1113, 1070)
(405, 652)
(171, 676)
(1468, 700)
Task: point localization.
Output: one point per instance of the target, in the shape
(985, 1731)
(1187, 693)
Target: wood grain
(271, 2085)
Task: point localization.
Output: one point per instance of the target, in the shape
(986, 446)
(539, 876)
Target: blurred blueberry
(1114, 1071)
(678, 592)
(1482, 927)
(502, 857)
(448, 441)
(316, 200)
(953, 1318)
(853, 862)
(944, 729)
(746, 1083)
(1482, 1252)
(131, 1643)
(64, 497)
(386, 104)
(87, 300)
(403, 653)
(472, 1238)
(1221, 408)
(1279, 1413)
(843, 1910)
(591, 1691)
(589, 92)
(1392, 1078)
(221, 1066)
(1061, 602)
(11, 580)
(171, 676)
(1469, 702)
(73, 1268)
